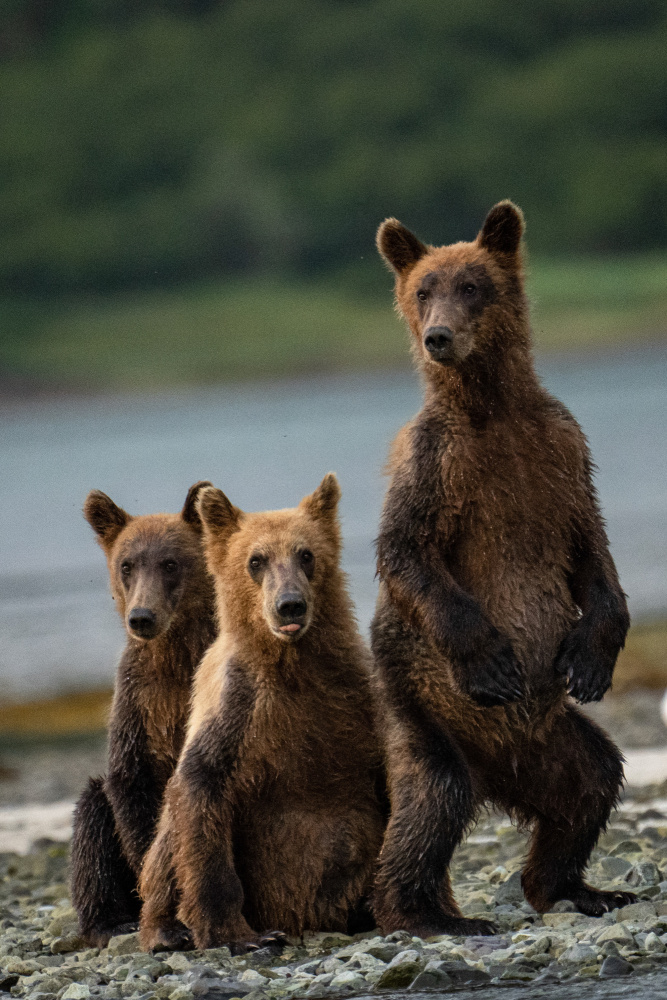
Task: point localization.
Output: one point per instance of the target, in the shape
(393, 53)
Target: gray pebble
(614, 966)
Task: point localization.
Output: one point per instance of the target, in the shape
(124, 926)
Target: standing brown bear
(275, 815)
(165, 597)
(498, 595)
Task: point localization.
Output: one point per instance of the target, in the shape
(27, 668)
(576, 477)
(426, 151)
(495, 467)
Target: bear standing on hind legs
(498, 596)
(165, 598)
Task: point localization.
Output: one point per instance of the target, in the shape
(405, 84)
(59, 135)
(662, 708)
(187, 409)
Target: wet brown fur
(498, 594)
(274, 817)
(165, 572)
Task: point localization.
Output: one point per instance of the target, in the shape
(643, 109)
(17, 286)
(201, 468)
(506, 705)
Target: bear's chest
(508, 519)
(510, 495)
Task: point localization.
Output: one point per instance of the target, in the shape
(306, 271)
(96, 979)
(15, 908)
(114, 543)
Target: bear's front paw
(587, 671)
(494, 677)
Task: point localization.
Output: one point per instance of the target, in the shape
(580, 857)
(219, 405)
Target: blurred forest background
(190, 188)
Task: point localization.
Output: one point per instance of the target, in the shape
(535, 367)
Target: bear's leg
(103, 886)
(160, 929)
(573, 790)
(432, 807)
(430, 788)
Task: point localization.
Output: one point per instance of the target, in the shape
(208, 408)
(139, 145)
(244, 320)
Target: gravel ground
(42, 957)
(559, 955)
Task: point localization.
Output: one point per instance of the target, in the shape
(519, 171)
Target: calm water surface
(266, 446)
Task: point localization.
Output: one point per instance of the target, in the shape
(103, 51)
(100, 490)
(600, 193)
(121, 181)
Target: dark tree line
(160, 140)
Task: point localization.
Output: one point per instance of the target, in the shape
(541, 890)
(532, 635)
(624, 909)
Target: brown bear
(165, 597)
(275, 815)
(498, 595)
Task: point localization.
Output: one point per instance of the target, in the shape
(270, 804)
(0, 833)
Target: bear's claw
(597, 902)
(588, 672)
(175, 938)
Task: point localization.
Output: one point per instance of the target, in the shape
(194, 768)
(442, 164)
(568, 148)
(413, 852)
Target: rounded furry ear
(190, 514)
(323, 502)
(502, 229)
(105, 517)
(398, 246)
(218, 515)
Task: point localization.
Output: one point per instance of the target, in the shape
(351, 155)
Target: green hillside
(259, 327)
(166, 140)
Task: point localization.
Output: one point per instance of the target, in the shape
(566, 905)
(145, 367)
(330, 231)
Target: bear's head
(463, 301)
(156, 562)
(276, 572)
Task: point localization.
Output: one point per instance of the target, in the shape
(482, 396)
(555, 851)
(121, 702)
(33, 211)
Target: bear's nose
(438, 339)
(142, 621)
(291, 606)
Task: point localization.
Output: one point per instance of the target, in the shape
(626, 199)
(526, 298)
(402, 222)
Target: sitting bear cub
(165, 597)
(275, 814)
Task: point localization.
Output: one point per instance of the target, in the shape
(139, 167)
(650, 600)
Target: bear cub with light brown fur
(165, 598)
(498, 595)
(274, 817)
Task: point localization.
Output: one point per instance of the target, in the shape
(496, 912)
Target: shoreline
(21, 391)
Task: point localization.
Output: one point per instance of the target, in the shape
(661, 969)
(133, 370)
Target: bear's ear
(104, 516)
(190, 514)
(398, 246)
(323, 502)
(219, 516)
(502, 229)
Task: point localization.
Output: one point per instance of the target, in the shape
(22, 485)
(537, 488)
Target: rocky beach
(42, 957)
(562, 953)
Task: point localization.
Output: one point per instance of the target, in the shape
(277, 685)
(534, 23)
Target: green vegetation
(257, 327)
(189, 188)
(590, 303)
(158, 141)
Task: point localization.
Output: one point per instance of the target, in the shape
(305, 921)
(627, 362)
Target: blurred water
(267, 445)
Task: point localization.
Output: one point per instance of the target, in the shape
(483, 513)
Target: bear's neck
(499, 384)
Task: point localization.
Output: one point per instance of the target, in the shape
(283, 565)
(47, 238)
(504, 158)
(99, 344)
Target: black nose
(142, 621)
(438, 339)
(291, 606)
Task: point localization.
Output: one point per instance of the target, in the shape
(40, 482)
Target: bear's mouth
(293, 627)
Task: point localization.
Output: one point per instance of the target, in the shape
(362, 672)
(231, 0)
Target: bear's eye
(422, 296)
(170, 566)
(469, 289)
(306, 558)
(254, 563)
(126, 568)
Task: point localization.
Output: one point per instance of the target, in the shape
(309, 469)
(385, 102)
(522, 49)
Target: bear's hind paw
(274, 940)
(597, 902)
(176, 937)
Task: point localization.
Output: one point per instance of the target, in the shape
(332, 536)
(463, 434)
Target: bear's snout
(291, 606)
(143, 622)
(438, 341)
(291, 609)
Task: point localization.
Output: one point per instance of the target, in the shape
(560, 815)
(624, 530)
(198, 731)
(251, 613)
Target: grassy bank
(261, 328)
(642, 664)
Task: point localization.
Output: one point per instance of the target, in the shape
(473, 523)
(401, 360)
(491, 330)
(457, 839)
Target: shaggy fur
(274, 817)
(157, 568)
(498, 595)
